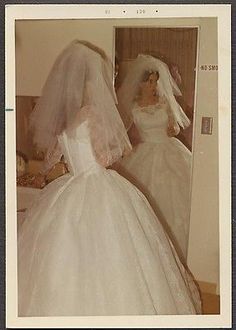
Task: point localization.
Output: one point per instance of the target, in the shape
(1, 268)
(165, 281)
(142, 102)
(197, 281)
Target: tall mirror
(160, 163)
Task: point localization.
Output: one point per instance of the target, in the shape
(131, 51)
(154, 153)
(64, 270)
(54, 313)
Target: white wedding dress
(91, 245)
(160, 167)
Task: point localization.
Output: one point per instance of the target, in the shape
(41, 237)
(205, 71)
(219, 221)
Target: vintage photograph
(117, 167)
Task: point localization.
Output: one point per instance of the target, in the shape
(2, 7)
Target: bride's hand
(172, 128)
(126, 152)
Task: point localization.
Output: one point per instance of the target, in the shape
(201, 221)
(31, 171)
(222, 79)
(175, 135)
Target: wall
(204, 234)
(38, 43)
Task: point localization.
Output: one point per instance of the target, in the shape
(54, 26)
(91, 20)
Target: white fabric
(166, 87)
(160, 167)
(91, 245)
(80, 76)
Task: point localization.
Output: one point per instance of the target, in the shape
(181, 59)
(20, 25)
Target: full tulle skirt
(91, 245)
(162, 171)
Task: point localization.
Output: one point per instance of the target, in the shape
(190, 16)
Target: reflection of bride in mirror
(160, 165)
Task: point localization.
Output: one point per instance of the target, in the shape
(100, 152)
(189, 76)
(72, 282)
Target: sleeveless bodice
(76, 147)
(151, 122)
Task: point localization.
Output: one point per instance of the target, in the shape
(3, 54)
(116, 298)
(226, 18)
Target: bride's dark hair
(147, 74)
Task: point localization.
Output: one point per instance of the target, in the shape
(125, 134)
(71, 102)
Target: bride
(160, 165)
(91, 244)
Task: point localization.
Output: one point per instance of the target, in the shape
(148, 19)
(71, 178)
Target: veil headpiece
(166, 86)
(80, 87)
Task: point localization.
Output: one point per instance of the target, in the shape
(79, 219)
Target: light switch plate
(207, 123)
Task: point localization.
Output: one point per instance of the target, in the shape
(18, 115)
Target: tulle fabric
(91, 245)
(160, 167)
(92, 253)
(80, 77)
(166, 87)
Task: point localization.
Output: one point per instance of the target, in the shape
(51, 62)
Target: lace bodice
(151, 122)
(76, 147)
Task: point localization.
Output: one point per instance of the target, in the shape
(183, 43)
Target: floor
(211, 303)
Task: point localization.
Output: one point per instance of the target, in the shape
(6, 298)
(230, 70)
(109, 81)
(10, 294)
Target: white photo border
(89, 11)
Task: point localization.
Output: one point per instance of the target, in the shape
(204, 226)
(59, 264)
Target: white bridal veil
(166, 86)
(80, 87)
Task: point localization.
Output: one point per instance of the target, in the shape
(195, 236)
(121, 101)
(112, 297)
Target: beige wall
(39, 42)
(204, 233)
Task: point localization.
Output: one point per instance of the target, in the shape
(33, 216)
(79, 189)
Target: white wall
(39, 42)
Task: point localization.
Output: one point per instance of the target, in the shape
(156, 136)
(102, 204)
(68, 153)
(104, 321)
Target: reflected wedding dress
(160, 167)
(91, 245)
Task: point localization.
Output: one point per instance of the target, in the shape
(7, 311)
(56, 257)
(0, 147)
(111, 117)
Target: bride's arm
(134, 135)
(53, 156)
(173, 128)
(106, 155)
